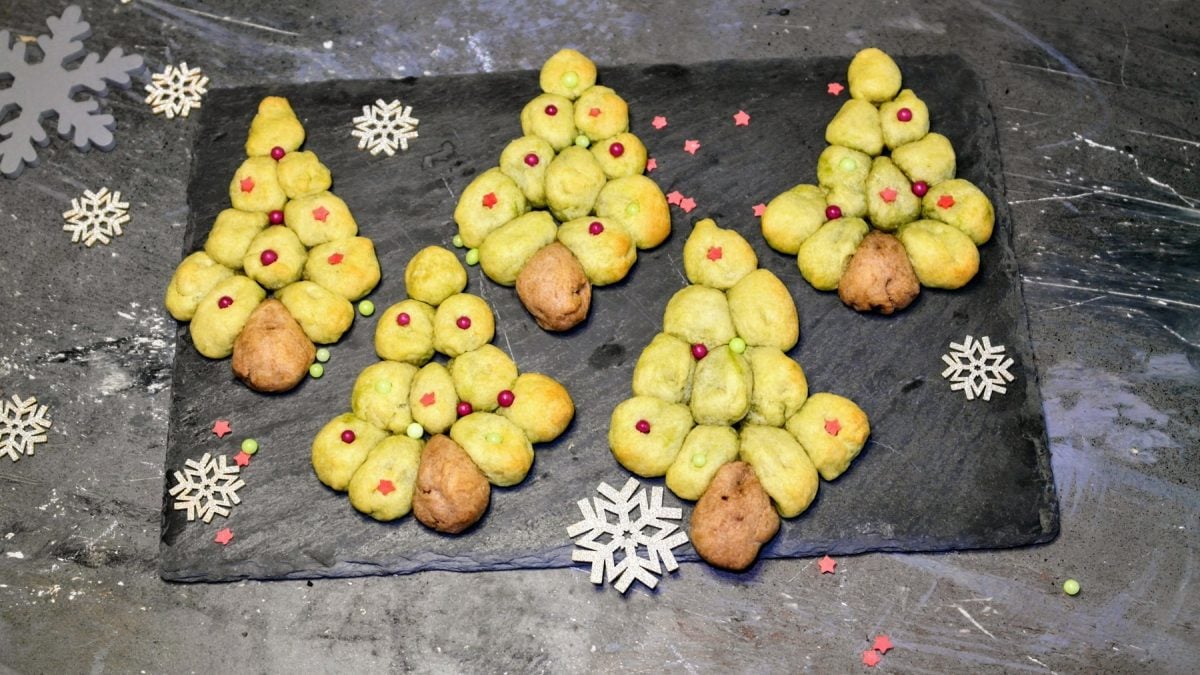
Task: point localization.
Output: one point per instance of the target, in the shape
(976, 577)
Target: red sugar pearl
(920, 187)
(276, 217)
(904, 115)
(616, 149)
(642, 426)
(224, 301)
(267, 257)
(463, 409)
(403, 318)
(552, 110)
(348, 436)
(699, 351)
(833, 212)
(505, 398)
(531, 159)
(595, 228)
(463, 322)
(277, 153)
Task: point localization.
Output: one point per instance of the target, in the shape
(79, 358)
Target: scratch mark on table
(1167, 138)
(1122, 294)
(972, 620)
(1040, 664)
(230, 19)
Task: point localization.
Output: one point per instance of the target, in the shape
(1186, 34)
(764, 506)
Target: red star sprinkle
(224, 536)
(242, 459)
(687, 204)
(888, 195)
(247, 184)
(759, 209)
(715, 253)
(320, 213)
(741, 119)
(336, 259)
(945, 201)
(832, 427)
(883, 644)
(221, 428)
(385, 487)
(489, 200)
(651, 164)
(834, 89)
(690, 146)
(674, 197)
(871, 658)
(659, 122)
(594, 112)
(827, 565)
(428, 399)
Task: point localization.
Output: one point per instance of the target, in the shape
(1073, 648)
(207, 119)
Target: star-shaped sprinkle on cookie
(247, 184)
(832, 427)
(715, 253)
(871, 658)
(827, 565)
(224, 536)
(242, 459)
(320, 213)
(759, 209)
(386, 487)
(674, 197)
(489, 200)
(945, 201)
(834, 88)
(691, 145)
(651, 164)
(883, 644)
(659, 122)
(687, 204)
(888, 195)
(221, 428)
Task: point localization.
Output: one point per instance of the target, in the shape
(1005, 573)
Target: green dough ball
(873, 76)
(323, 315)
(941, 255)
(409, 340)
(842, 166)
(557, 129)
(531, 178)
(453, 339)
(433, 275)
(705, 450)
(347, 267)
(779, 462)
(717, 257)
(432, 400)
(491, 200)
(274, 126)
(301, 174)
(629, 158)
(231, 235)
(699, 315)
(852, 201)
(380, 395)
(573, 181)
(639, 206)
(214, 328)
(856, 126)
(606, 257)
(335, 460)
(930, 159)
(792, 217)
(506, 250)
(648, 454)
(832, 431)
(897, 133)
(480, 375)
(664, 369)
(497, 446)
(780, 387)
(763, 311)
(600, 113)
(721, 387)
(888, 181)
(255, 186)
(192, 280)
(290, 257)
(320, 218)
(541, 407)
(568, 73)
(967, 208)
(823, 257)
(396, 460)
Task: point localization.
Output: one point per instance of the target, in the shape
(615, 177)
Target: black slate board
(939, 472)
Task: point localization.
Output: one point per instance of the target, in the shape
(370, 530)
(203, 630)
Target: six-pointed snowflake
(96, 217)
(47, 87)
(384, 127)
(639, 523)
(176, 90)
(977, 368)
(207, 487)
(22, 425)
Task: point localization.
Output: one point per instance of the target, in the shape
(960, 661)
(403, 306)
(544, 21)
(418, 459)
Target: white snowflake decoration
(96, 217)
(602, 539)
(23, 424)
(385, 127)
(207, 487)
(176, 90)
(977, 368)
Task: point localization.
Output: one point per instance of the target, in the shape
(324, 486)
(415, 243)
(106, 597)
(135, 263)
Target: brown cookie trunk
(451, 492)
(554, 288)
(879, 277)
(733, 518)
(272, 353)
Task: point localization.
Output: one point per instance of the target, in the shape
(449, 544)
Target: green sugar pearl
(632, 209)
(322, 355)
(699, 460)
(848, 164)
(366, 308)
(457, 241)
(738, 345)
(249, 446)
(316, 370)
(493, 437)
(473, 257)
(415, 430)
(1071, 587)
(582, 140)
(570, 80)
(383, 387)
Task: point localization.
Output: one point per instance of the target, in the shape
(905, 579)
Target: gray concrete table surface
(1097, 107)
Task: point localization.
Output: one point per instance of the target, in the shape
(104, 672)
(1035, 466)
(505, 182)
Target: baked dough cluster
(568, 207)
(888, 215)
(285, 234)
(719, 407)
(482, 415)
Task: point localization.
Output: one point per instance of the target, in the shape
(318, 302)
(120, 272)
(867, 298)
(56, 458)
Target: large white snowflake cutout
(977, 368)
(600, 539)
(47, 86)
(385, 127)
(176, 90)
(23, 424)
(96, 217)
(207, 487)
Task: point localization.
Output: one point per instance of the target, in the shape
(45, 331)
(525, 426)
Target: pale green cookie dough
(432, 400)
(620, 156)
(380, 395)
(473, 214)
(497, 446)
(541, 407)
(930, 159)
(192, 280)
(873, 76)
(606, 257)
(717, 257)
(335, 460)
(525, 161)
(705, 450)
(639, 206)
(255, 186)
(842, 166)
(573, 181)
(557, 129)
(506, 250)
(888, 181)
(648, 454)
(968, 208)
(699, 315)
(601, 113)
(763, 311)
(214, 328)
(320, 218)
(452, 339)
(823, 257)
(302, 174)
(231, 235)
(434, 274)
(941, 255)
(785, 471)
(480, 375)
(289, 261)
(856, 126)
(567, 73)
(323, 315)
(852, 201)
(832, 431)
(721, 387)
(664, 369)
(411, 342)
(396, 460)
(347, 267)
(780, 387)
(275, 125)
(897, 133)
(792, 217)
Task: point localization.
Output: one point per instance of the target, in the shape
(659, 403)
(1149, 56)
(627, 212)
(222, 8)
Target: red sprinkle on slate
(674, 197)
(741, 119)
(651, 164)
(247, 184)
(221, 428)
(659, 122)
(691, 145)
(241, 459)
(834, 88)
(759, 209)
(871, 658)
(883, 644)
(224, 536)
(687, 204)
(828, 565)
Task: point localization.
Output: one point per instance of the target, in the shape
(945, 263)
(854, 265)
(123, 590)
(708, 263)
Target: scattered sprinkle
(834, 88)
(224, 536)
(741, 119)
(828, 565)
(328, 44)
(871, 658)
(249, 446)
(221, 428)
(323, 355)
(691, 145)
(687, 204)
(659, 122)
(366, 308)
(759, 209)
(457, 241)
(1071, 587)
(883, 644)
(674, 197)
(473, 256)
(242, 458)
(316, 370)
(651, 164)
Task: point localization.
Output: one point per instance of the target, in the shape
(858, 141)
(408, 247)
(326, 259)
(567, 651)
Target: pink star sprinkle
(759, 209)
(741, 119)
(691, 146)
(659, 122)
(651, 164)
(221, 428)
(674, 197)
(687, 204)
(320, 213)
(870, 658)
(883, 644)
(247, 184)
(385, 487)
(834, 88)
(242, 459)
(827, 564)
(224, 536)
(888, 195)
(945, 201)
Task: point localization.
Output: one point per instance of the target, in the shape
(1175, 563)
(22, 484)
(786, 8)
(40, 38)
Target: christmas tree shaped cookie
(888, 215)
(285, 234)
(482, 415)
(722, 411)
(568, 207)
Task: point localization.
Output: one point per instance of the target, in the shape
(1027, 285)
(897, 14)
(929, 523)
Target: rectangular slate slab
(939, 473)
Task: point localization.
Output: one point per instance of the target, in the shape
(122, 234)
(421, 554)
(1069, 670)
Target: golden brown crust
(554, 288)
(733, 519)
(451, 493)
(272, 353)
(879, 277)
